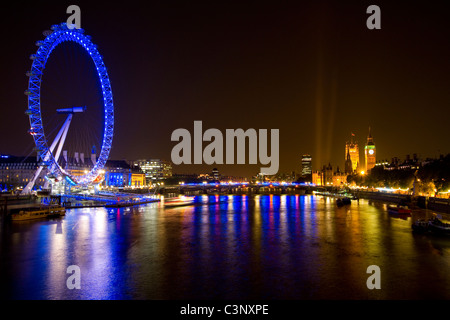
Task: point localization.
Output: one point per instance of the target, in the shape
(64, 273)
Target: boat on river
(434, 225)
(50, 211)
(179, 201)
(399, 209)
(343, 201)
(437, 226)
(420, 226)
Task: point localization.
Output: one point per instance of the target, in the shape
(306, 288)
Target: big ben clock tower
(370, 152)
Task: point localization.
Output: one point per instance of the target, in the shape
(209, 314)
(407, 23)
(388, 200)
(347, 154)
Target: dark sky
(311, 69)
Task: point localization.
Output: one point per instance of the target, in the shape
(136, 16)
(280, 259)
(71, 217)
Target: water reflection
(263, 246)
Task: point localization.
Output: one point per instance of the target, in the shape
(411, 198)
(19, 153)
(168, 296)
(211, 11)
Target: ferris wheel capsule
(32, 132)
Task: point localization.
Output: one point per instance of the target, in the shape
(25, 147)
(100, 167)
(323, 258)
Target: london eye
(53, 128)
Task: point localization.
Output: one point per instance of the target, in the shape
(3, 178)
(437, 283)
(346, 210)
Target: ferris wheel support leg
(62, 132)
(58, 136)
(30, 184)
(65, 129)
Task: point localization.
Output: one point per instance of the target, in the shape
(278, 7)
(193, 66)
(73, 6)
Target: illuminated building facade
(307, 167)
(137, 180)
(16, 172)
(323, 177)
(408, 164)
(317, 178)
(215, 174)
(155, 169)
(78, 165)
(339, 179)
(326, 177)
(348, 164)
(352, 149)
(118, 173)
(370, 152)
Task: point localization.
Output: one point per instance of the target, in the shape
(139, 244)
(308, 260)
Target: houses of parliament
(327, 176)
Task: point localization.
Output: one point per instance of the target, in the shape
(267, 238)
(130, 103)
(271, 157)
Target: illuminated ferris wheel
(49, 151)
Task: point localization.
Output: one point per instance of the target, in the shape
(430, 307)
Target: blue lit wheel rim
(59, 34)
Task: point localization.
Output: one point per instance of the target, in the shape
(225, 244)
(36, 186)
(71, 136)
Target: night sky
(311, 69)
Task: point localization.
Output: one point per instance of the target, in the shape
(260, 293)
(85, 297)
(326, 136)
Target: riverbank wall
(431, 203)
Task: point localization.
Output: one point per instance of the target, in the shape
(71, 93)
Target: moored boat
(39, 213)
(56, 211)
(399, 209)
(343, 201)
(420, 226)
(434, 226)
(437, 226)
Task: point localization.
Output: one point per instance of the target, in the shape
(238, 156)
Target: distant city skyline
(312, 70)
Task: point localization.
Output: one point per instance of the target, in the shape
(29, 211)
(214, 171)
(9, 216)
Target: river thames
(225, 247)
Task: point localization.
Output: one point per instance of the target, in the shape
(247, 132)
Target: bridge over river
(432, 203)
(141, 196)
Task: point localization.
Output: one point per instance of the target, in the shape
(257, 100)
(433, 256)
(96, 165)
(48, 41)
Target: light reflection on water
(236, 247)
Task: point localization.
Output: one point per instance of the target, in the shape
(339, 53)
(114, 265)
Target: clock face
(371, 151)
